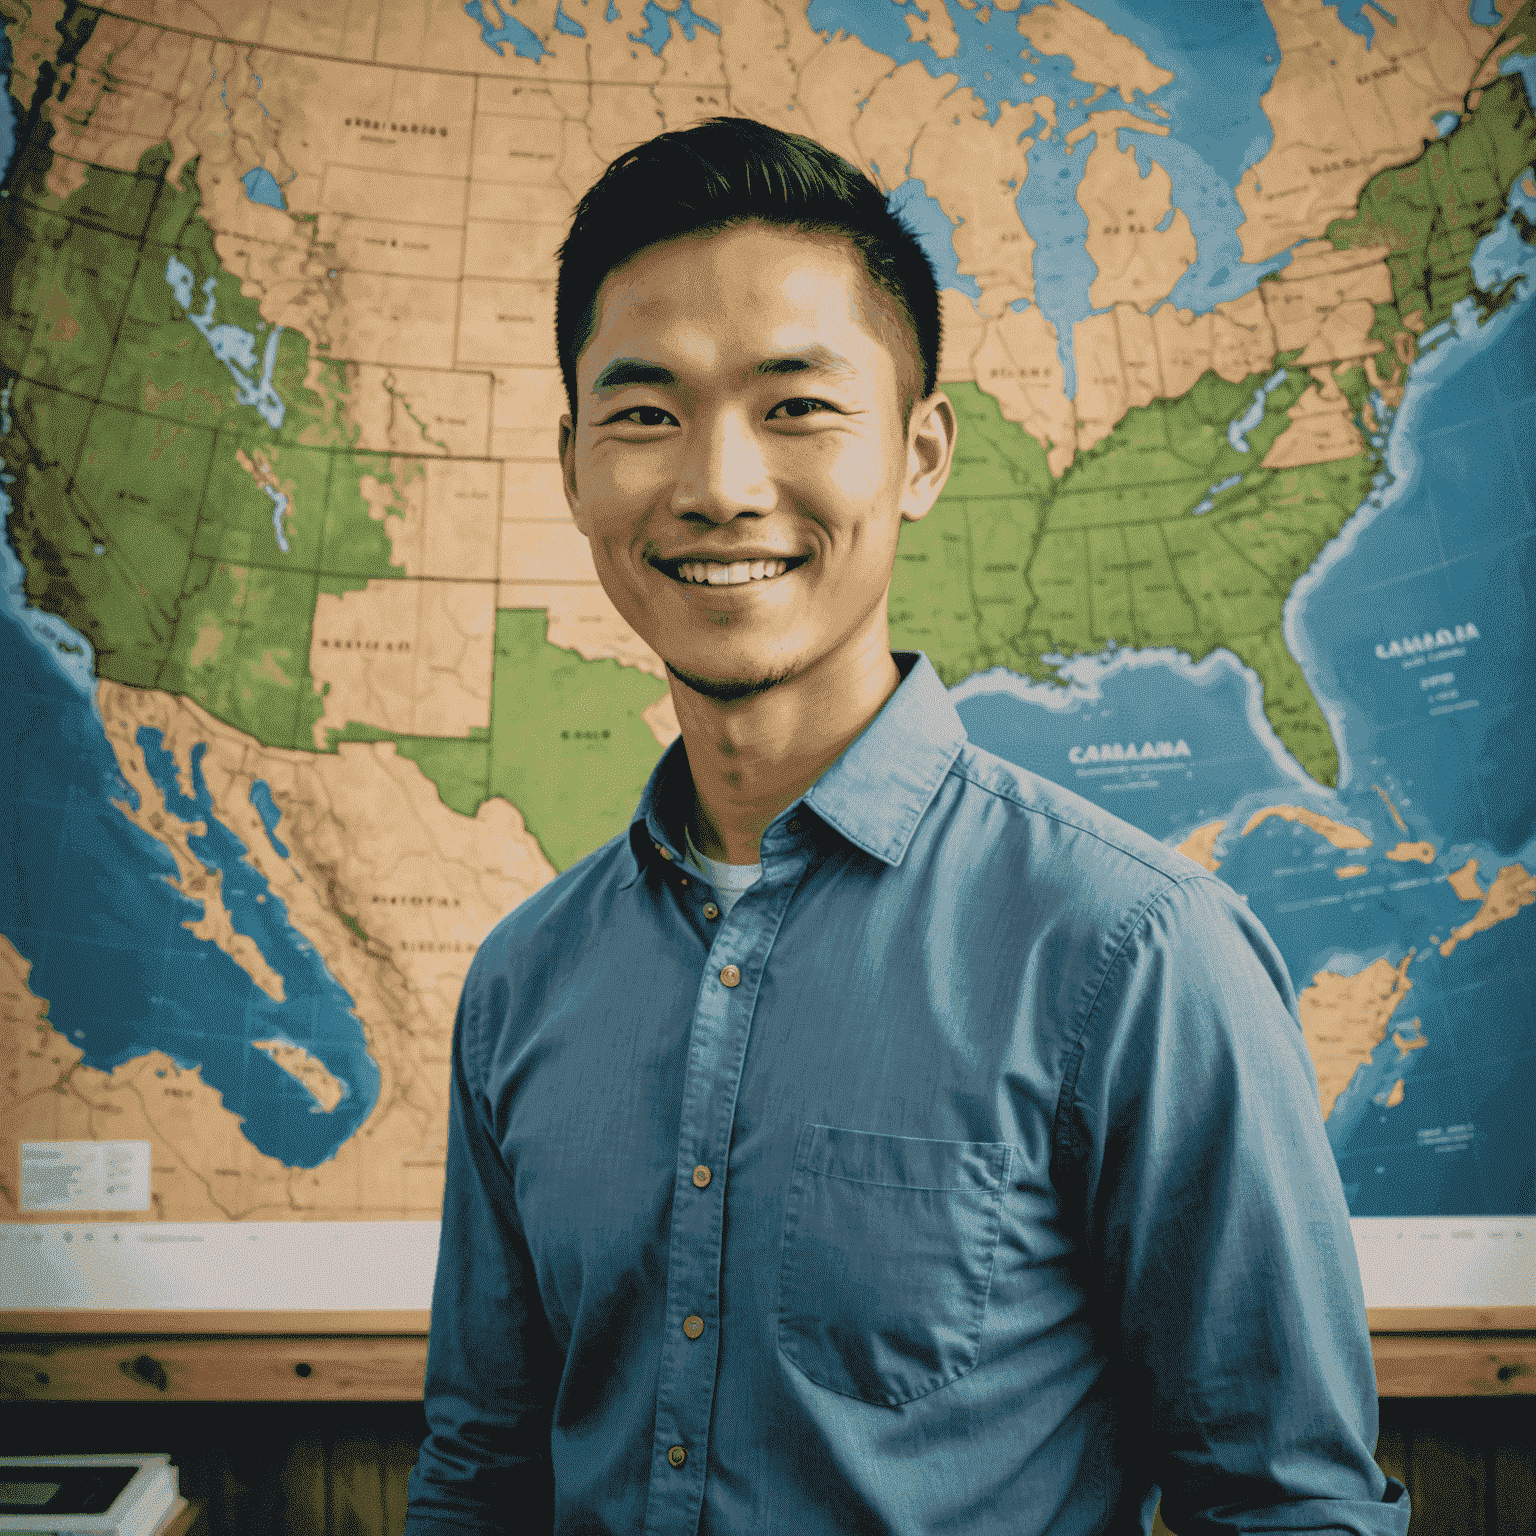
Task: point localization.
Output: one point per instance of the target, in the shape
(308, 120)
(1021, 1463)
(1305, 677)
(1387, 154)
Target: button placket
(722, 1021)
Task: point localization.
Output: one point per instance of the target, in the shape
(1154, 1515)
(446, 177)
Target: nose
(724, 471)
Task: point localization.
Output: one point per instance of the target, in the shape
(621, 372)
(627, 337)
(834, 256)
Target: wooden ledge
(392, 1367)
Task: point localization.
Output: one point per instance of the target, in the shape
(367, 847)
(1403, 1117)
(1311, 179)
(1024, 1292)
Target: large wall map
(307, 675)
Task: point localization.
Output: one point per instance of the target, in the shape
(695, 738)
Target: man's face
(740, 463)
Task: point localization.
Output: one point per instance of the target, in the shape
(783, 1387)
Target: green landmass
(1433, 211)
(568, 746)
(459, 768)
(1013, 566)
(141, 518)
(140, 513)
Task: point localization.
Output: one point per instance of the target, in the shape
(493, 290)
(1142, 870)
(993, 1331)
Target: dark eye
(800, 407)
(641, 416)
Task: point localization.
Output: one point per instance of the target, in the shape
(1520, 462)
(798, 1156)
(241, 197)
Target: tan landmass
(964, 332)
(1337, 833)
(1393, 1096)
(1126, 358)
(1099, 56)
(441, 515)
(1343, 108)
(1351, 871)
(1320, 306)
(505, 322)
(1402, 826)
(1107, 124)
(1512, 889)
(1324, 301)
(1017, 365)
(1200, 845)
(526, 407)
(419, 410)
(896, 111)
(1408, 1044)
(661, 720)
(1139, 259)
(210, 636)
(1322, 428)
(932, 25)
(1464, 882)
(405, 655)
(1423, 853)
(394, 890)
(194, 879)
(976, 170)
(325, 1089)
(1344, 1019)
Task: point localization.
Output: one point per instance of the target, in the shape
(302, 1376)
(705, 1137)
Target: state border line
(327, 448)
(414, 69)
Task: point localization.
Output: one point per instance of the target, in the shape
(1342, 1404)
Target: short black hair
(722, 173)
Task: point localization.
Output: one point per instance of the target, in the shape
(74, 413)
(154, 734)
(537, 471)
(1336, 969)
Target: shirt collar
(874, 794)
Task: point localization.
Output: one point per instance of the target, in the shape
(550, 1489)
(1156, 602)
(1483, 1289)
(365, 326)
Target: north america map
(308, 678)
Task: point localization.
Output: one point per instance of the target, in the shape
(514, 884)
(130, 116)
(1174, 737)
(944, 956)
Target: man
(873, 1137)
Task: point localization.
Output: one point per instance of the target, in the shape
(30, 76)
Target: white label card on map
(85, 1175)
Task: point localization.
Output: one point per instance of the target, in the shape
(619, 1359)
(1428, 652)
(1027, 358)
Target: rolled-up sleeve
(492, 1369)
(1226, 1284)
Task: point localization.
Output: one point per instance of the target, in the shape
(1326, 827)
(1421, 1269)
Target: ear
(931, 436)
(568, 470)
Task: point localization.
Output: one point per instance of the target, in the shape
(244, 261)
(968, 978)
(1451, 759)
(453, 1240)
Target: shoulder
(1065, 843)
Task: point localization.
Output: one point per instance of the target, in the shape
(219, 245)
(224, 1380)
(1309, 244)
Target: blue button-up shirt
(967, 1177)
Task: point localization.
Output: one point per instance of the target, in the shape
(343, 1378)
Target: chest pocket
(888, 1249)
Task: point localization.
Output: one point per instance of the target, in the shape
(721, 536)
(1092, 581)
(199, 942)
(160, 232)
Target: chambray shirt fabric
(1019, 1204)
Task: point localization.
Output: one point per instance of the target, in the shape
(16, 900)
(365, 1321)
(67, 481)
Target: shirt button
(677, 1455)
(682, 879)
(730, 976)
(701, 1176)
(711, 911)
(693, 1326)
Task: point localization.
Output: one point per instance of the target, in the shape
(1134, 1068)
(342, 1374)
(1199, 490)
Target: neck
(750, 758)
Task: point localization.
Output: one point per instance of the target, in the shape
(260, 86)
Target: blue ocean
(1415, 630)
(88, 898)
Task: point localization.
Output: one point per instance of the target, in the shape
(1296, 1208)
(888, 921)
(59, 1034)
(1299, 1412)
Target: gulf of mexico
(1133, 700)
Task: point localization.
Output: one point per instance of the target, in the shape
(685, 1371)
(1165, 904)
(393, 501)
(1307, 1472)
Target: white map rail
(1482, 1261)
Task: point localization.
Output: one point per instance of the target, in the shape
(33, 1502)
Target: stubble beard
(728, 690)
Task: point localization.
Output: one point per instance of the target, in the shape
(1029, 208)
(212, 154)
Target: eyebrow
(813, 359)
(631, 370)
(624, 371)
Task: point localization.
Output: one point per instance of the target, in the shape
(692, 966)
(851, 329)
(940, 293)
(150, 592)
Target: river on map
(86, 898)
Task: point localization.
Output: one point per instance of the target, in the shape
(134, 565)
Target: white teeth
(711, 573)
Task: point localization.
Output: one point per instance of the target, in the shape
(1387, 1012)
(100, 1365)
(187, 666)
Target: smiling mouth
(734, 573)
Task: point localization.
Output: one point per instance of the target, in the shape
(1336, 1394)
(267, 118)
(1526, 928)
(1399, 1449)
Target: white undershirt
(731, 881)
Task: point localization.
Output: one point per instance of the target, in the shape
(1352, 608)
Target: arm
(492, 1366)
(1219, 1242)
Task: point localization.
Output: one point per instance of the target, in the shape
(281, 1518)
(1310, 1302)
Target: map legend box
(85, 1175)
